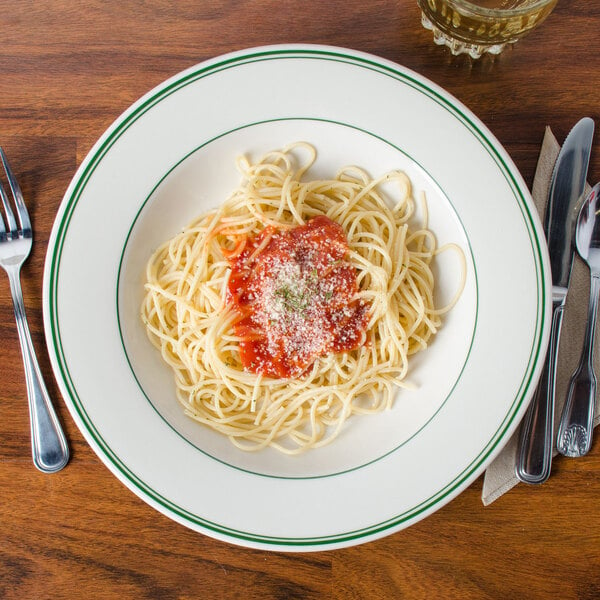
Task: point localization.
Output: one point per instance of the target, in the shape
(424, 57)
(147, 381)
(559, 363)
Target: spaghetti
(193, 313)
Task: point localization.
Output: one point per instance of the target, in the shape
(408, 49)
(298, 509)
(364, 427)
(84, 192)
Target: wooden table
(67, 70)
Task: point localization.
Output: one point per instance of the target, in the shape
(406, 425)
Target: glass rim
(470, 8)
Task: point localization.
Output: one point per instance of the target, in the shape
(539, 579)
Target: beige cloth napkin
(500, 476)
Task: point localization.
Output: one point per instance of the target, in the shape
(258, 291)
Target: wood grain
(67, 70)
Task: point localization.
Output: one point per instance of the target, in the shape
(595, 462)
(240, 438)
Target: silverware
(577, 420)
(534, 455)
(49, 445)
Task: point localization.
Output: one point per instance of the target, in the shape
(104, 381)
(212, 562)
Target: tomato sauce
(294, 291)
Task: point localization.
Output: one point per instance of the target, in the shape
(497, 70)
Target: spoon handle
(577, 420)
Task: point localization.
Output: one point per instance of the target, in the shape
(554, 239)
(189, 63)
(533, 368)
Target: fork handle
(48, 443)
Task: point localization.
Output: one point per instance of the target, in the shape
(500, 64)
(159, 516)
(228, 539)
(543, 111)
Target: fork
(48, 443)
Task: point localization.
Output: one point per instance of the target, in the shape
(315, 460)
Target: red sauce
(294, 291)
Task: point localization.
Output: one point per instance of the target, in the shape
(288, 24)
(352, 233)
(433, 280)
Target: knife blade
(567, 184)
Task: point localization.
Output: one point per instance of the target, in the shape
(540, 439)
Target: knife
(534, 454)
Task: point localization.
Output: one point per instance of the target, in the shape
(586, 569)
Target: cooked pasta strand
(187, 317)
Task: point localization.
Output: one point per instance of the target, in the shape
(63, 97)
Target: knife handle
(534, 454)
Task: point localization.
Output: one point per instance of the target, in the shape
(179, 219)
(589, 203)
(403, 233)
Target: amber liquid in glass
(483, 29)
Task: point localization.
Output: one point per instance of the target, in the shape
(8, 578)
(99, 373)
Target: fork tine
(8, 213)
(17, 195)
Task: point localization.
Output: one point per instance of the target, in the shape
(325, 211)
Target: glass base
(459, 47)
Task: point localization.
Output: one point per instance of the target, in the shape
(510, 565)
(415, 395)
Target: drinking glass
(475, 27)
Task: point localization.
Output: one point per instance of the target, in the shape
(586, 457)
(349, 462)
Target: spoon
(577, 421)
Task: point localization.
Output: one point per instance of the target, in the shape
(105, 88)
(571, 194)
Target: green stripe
(123, 258)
